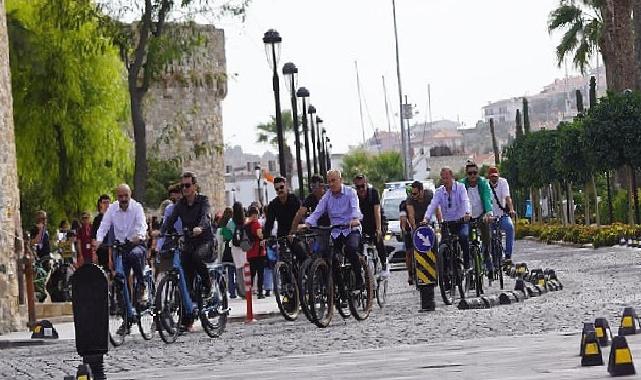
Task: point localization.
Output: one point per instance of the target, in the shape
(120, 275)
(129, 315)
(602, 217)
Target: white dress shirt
(127, 224)
(502, 192)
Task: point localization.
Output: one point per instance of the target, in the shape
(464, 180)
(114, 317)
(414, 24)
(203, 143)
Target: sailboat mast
(360, 101)
(389, 123)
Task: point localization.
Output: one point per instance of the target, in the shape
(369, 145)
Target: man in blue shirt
(341, 204)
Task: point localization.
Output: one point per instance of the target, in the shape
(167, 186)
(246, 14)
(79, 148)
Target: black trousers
(193, 260)
(257, 266)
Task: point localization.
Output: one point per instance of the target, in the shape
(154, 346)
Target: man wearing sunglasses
(478, 190)
(282, 209)
(370, 205)
(417, 201)
(193, 210)
(454, 203)
(503, 208)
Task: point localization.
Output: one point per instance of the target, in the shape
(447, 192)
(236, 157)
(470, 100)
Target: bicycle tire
(360, 304)
(478, 269)
(286, 291)
(169, 301)
(118, 315)
(303, 277)
(321, 293)
(146, 320)
(219, 312)
(457, 271)
(381, 292)
(497, 252)
(444, 280)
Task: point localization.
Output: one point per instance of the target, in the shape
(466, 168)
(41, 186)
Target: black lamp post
(290, 72)
(313, 131)
(304, 94)
(319, 125)
(272, 41)
(260, 193)
(329, 154)
(324, 153)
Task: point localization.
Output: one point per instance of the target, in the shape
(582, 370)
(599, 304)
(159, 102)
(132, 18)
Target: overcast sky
(470, 51)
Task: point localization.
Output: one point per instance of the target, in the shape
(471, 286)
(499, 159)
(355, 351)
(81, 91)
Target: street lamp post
(272, 41)
(313, 131)
(329, 153)
(233, 194)
(303, 93)
(324, 149)
(319, 125)
(290, 72)
(265, 189)
(260, 193)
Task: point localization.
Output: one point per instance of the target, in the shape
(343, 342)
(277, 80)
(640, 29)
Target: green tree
(145, 48)
(162, 174)
(266, 133)
(378, 168)
(70, 101)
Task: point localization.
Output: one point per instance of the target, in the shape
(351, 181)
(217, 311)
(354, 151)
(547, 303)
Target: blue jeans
(123, 264)
(182, 284)
(230, 269)
(268, 283)
(505, 224)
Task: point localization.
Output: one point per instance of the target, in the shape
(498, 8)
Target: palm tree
(266, 133)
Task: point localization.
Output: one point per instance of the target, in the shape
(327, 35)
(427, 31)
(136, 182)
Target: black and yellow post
(591, 353)
(425, 266)
(620, 361)
(628, 324)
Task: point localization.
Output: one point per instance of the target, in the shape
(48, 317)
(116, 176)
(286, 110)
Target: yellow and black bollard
(425, 266)
(602, 331)
(620, 361)
(629, 323)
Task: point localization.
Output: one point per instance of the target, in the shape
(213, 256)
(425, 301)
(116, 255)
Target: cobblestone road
(597, 283)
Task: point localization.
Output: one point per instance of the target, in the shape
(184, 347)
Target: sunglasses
(185, 185)
(472, 173)
(279, 188)
(360, 186)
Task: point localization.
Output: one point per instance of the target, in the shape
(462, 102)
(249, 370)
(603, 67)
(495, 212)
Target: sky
(470, 52)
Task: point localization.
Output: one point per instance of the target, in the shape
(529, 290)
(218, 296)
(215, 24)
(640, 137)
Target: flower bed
(604, 236)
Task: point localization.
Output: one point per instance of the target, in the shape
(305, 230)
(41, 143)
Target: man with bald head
(127, 218)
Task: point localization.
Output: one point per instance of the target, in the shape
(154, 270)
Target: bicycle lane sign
(425, 259)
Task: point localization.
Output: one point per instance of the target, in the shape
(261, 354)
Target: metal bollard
(248, 292)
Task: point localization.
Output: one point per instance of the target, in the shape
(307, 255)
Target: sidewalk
(262, 309)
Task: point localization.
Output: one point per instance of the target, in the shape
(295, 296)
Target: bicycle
(337, 286)
(286, 286)
(376, 269)
(174, 303)
(475, 277)
(449, 263)
(497, 251)
(120, 321)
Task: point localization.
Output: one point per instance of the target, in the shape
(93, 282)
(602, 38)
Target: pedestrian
(83, 241)
(256, 254)
(66, 238)
(103, 253)
(40, 236)
(238, 255)
(225, 235)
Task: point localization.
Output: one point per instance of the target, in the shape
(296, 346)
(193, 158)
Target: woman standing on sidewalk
(225, 234)
(256, 254)
(238, 255)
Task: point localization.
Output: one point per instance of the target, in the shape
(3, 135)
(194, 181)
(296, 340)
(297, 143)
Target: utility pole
(389, 123)
(400, 98)
(360, 101)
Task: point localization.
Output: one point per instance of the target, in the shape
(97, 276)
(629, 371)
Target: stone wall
(10, 316)
(183, 109)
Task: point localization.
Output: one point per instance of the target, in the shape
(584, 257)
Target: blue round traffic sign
(423, 239)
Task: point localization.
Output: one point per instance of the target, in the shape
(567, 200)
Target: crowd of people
(237, 235)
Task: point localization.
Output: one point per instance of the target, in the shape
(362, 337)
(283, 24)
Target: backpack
(246, 239)
(237, 235)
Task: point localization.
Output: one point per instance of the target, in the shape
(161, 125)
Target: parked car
(393, 235)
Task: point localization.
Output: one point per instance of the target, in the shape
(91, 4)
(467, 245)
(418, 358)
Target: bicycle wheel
(213, 316)
(444, 275)
(118, 320)
(497, 253)
(360, 299)
(286, 290)
(146, 323)
(320, 293)
(169, 308)
(457, 274)
(303, 278)
(478, 269)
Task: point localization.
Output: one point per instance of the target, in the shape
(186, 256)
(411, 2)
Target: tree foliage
(378, 168)
(69, 105)
(162, 174)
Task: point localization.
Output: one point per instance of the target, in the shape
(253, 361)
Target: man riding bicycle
(478, 191)
(310, 203)
(503, 209)
(283, 209)
(341, 204)
(416, 204)
(193, 211)
(370, 205)
(127, 218)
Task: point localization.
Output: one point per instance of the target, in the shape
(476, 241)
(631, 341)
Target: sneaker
(123, 330)
(268, 293)
(260, 296)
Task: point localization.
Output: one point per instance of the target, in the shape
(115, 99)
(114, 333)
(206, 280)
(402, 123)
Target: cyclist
(370, 205)
(341, 204)
(503, 209)
(283, 209)
(127, 218)
(193, 211)
(317, 186)
(478, 191)
(416, 204)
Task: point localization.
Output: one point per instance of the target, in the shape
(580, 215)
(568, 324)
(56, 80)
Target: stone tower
(183, 109)
(10, 316)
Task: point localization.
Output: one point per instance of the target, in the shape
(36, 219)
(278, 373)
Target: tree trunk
(495, 145)
(636, 21)
(621, 67)
(586, 204)
(140, 140)
(596, 202)
(570, 203)
(559, 203)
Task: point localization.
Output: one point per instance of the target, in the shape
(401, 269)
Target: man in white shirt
(127, 218)
(502, 208)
